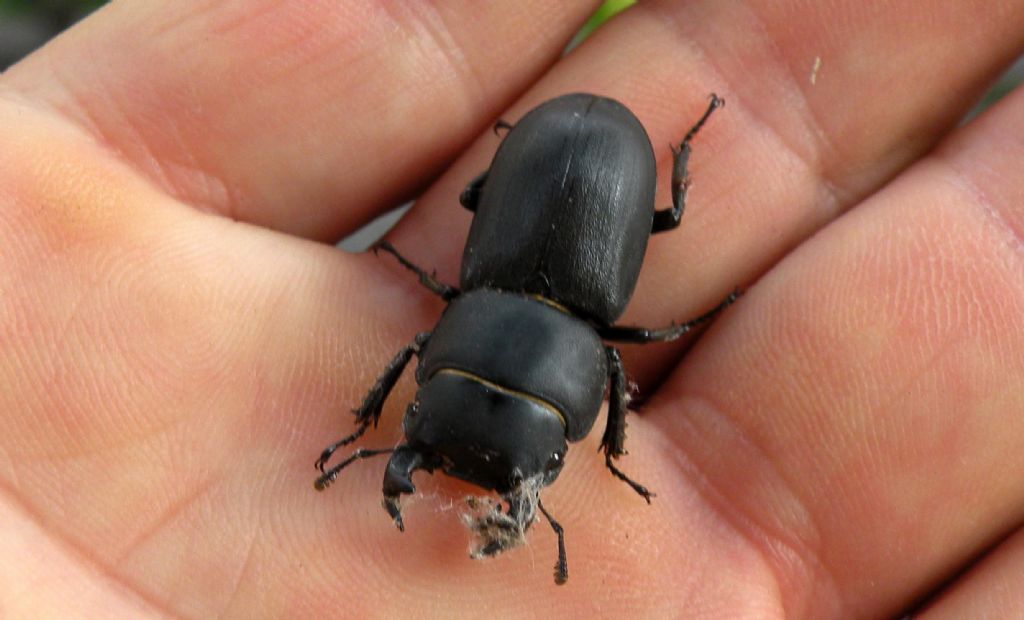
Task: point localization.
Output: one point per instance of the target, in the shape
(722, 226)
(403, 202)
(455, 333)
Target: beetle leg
(470, 197)
(398, 480)
(642, 335)
(440, 289)
(331, 474)
(502, 124)
(561, 566)
(613, 442)
(668, 219)
(369, 412)
(344, 441)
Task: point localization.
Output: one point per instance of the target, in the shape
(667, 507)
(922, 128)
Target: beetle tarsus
(668, 219)
(716, 102)
(561, 565)
(636, 486)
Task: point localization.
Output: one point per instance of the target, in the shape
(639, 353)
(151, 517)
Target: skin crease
(177, 348)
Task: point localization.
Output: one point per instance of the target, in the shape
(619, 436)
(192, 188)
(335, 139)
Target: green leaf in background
(607, 10)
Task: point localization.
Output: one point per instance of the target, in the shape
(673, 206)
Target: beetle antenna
(561, 566)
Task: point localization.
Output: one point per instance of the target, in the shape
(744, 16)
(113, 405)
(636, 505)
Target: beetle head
(485, 435)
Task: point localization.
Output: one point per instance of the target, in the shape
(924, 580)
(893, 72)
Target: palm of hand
(833, 448)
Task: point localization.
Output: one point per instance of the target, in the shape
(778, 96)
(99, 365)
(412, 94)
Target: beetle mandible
(517, 365)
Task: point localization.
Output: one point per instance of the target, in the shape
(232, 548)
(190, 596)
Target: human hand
(176, 348)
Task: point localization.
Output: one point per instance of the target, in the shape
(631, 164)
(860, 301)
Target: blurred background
(27, 24)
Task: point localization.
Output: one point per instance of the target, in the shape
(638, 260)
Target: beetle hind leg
(561, 566)
(613, 442)
(668, 219)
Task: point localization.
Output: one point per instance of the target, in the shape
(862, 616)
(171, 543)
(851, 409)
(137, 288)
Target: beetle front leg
(643, 335)
(613, 442)
(331, 474)
(668, 219)
(442, 290)
(561, 565)
(369, 412)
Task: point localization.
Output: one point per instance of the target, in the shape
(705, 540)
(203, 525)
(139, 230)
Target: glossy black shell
(455, 422)
(524, 346)
(567, 208)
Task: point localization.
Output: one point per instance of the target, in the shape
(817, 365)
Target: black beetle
(517, 367)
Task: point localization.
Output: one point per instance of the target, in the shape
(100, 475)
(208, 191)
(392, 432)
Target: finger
(785, 155)
(40, 569)
(307, 120)
(853, 409)
(168, 379)
(989, 590)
